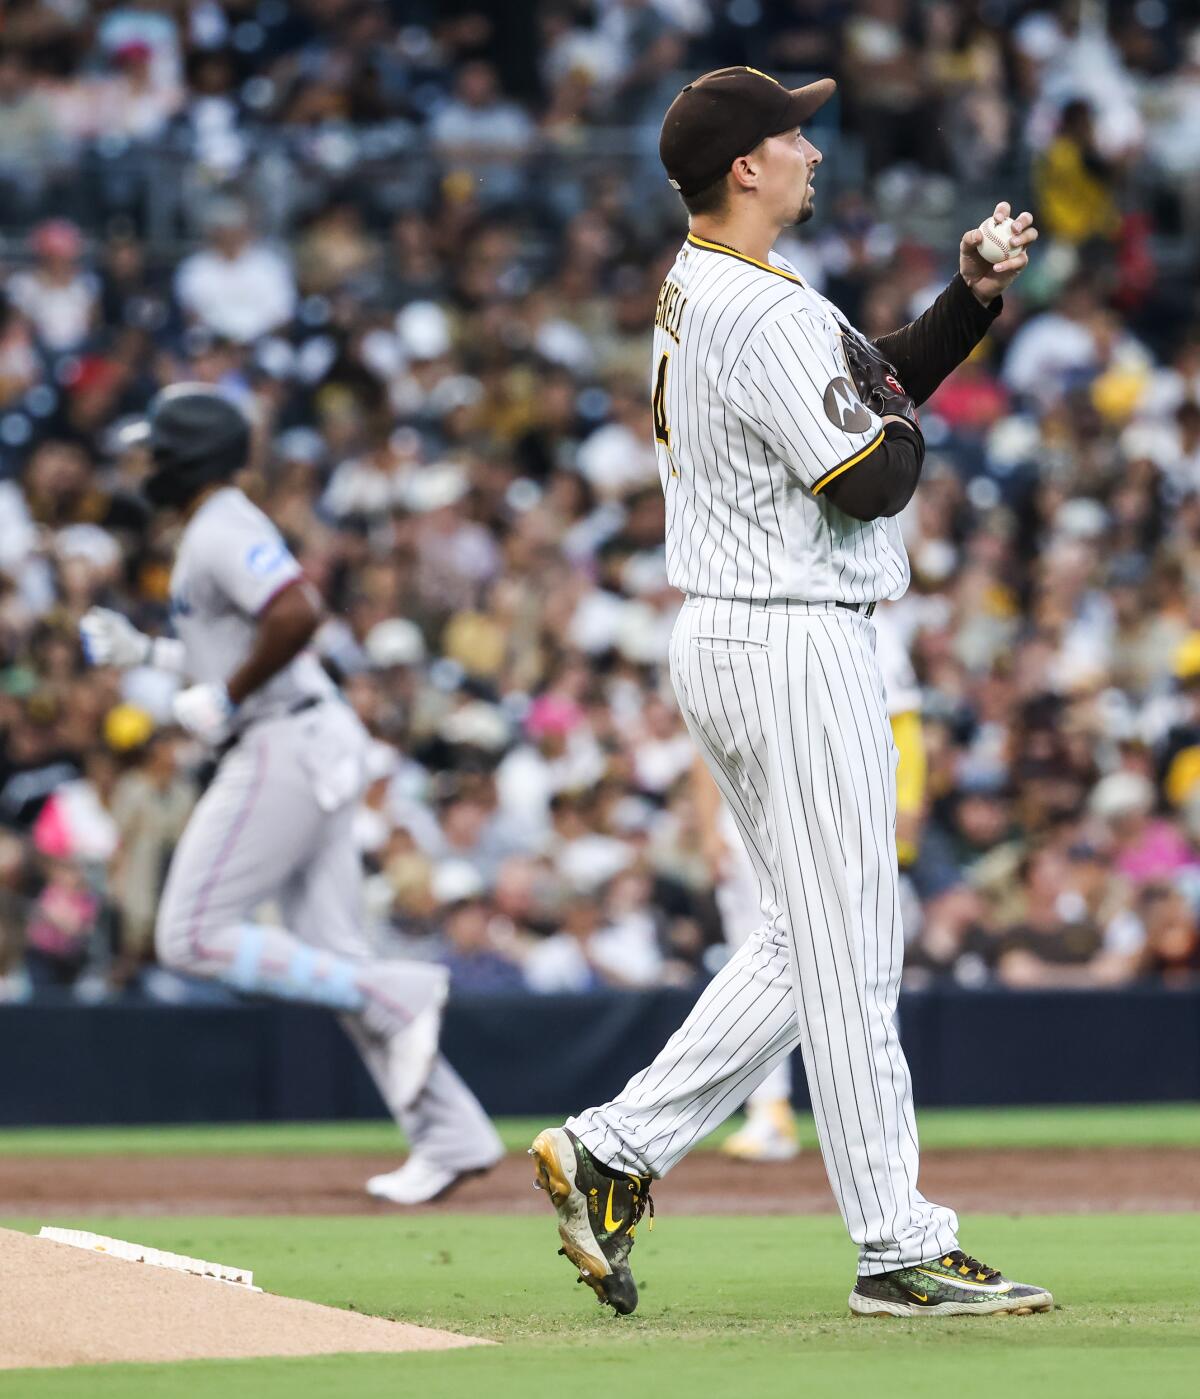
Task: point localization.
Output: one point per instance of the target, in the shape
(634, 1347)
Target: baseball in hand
(997, 240)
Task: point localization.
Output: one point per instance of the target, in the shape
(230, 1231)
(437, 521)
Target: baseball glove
(875, 379)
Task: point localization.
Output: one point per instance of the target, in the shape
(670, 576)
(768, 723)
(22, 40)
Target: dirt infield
(65, 1306)
(52, 1188)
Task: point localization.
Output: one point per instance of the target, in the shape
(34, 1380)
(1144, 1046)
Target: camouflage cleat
(597, 1214)
(953, 1285)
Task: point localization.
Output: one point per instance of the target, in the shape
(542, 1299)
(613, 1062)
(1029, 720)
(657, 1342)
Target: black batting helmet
(196, 435)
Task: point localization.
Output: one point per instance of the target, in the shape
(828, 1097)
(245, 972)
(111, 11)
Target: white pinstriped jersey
(754, 415)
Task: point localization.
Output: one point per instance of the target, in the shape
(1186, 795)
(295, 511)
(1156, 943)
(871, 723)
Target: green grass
(1153, 1124)
(730, 1308)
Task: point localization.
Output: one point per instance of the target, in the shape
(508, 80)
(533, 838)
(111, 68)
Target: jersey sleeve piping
(836, 471)
(285, 584)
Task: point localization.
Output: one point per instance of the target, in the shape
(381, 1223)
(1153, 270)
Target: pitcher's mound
(62, 1306)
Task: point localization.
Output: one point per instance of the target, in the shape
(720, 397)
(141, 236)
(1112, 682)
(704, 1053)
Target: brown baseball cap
(725, 114)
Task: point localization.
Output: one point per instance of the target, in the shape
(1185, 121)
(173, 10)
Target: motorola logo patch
(844, 408)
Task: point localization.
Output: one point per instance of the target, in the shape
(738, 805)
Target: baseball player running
(786, 446)
(276, 822)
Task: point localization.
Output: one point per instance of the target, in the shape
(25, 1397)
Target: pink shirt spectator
(62, 921)
(1158, 852)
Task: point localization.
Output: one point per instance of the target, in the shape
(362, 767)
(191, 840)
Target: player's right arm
(242, 557)
(791, 387)
(929, 349)
(285, 627)
(249, 563)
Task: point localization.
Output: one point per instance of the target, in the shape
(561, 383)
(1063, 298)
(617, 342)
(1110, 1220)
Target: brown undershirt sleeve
(883, 482)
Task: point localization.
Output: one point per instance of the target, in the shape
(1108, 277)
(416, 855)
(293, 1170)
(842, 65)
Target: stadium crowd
(422, 244)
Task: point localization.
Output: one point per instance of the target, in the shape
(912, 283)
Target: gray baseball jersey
(231, 562)
(754, 415)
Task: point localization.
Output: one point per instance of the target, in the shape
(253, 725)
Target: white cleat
(769, 1134)
(420, 1181)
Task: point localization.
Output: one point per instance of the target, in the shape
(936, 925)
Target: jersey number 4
(658, 402)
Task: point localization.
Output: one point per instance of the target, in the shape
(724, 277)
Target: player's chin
(805, 212)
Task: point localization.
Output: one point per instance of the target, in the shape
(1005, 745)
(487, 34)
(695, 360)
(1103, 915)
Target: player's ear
(745, 170)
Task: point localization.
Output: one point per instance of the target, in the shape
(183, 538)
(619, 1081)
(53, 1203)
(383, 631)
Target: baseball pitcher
(787, 445)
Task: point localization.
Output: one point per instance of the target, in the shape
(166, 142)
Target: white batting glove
(110, 639)
(205, 711)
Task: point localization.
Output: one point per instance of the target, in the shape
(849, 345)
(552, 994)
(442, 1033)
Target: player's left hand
(205, 711)
(988, 279)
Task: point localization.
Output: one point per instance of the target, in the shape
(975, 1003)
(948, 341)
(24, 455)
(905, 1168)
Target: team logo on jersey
(263, 558)
(844, 408)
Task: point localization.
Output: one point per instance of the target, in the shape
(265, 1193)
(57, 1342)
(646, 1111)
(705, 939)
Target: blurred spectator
(477, 123)
(619, 457)
(236, 287)
(1172, 934)
(134, 101)
(31, 145)
(74, 837)
(20, 367)
(1173, 111)
(884, 82)
(1055, 929)
(473, 960)
(336, 252)
(1144, 848)
(584, 956)
(61, 925)
(562, 754)
(1071, 53)
(1074, 184)
(210, 118)
(58, 297)
(150, 806)
(966, 64)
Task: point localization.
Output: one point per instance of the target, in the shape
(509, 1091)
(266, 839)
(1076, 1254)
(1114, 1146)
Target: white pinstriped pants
(739, 899)
(786, 701)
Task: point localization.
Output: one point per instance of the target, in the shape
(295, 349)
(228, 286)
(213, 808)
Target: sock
(270, 962)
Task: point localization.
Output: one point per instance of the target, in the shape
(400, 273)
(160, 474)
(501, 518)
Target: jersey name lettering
(669, 310)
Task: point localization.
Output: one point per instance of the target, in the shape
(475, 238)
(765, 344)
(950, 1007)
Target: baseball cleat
(421, 1181)
(769, 1134)
(953, 1285)
(597, 1214)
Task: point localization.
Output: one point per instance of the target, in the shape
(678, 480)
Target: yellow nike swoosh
(920, 1296)
(609, 1222)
